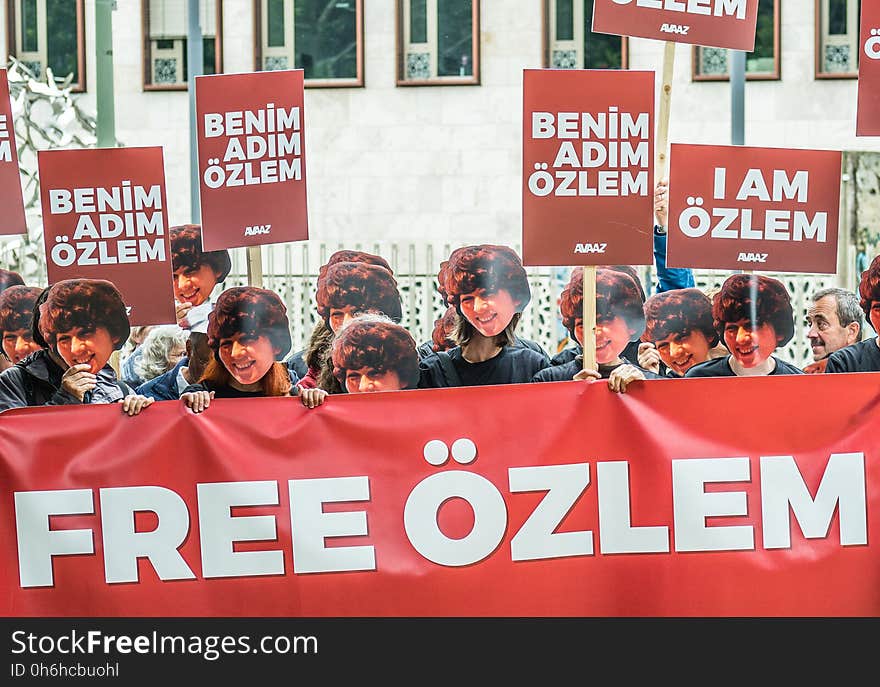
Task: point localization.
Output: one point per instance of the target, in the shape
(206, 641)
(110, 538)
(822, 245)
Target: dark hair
(252, 311)
(483, 268)
(378, 344)
(869, 286)
(354, 256)
(617, 295)
(17, 307)
(632, 273)
(757, 299)
(368, 288)
(679, 312)
(443, 330)
(86, 303)
(9, 278)
(847, 305)
(186, 251)
(36, 335)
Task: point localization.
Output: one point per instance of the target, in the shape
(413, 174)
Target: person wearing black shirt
(619, 320)
(863, 356)
(489, 289)
(753, 315)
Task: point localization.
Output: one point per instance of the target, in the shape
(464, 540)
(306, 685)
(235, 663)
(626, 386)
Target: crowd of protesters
(57, 342)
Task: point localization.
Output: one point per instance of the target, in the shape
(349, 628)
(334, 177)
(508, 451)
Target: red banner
(538, 500)
(252, 160)
(717, 23)
(10, 181)
(739, 208)
(588, 167)
(105, 217)
(868, 116)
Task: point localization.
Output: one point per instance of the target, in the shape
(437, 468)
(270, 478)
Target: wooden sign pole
(589, 315)
(255, 266)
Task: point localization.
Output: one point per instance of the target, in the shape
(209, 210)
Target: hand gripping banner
(544, 500)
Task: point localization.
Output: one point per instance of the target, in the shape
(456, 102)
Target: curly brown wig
(443, 330)
(9, 278)
(756, 299)
(368, 288)
(86, 304)
(679, 312)
(353, 256)
(17, 307)
(186, 251)
(869, 286)
(379, 345)
(251, 311)
(483, 268)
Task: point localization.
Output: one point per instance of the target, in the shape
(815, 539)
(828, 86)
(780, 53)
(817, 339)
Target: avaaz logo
(681, 29)
(590, 247)
(257, 229)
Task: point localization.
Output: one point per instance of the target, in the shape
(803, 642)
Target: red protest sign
(588, 167)
(252, 163)
(868, 117)
(10, 182)
(715, 23)
(104, 217)
(267, 508)
(732, 207)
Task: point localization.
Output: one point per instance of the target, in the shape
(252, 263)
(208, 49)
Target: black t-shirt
(860, 357)
(720, 367)
(566, 355)
(567, 371)
(225, 391)
(513, 365)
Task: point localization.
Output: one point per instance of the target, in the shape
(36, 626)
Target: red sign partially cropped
(715, 23)
(588, 167)
(739, 208)
(104, 217)
(10, 180)
(868, 118)
(636, 504)
(252, 161)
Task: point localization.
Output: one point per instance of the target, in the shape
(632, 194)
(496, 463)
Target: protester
(679, 332)
(668, 278)
(631, 351)
(372, 353)
(308, 363)
(163, 349)
(753, 316)
(248, 332)
(863, 356)
(345, 290)
(78, 323)
(835, 321)
(187, 371)
(619, 320)
(130, 356)
(441, 336)
(16, 312)
(489, 289)
(8, 279)
(196, 273)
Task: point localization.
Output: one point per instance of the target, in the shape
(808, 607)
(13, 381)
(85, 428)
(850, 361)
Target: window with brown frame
(837, 39)
(570, 42)
(49, 34)
(324, 38)
(165, 29)
(438, 42)
(711, 64)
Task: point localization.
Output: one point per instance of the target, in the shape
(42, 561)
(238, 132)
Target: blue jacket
(669, 278)
(163, 387)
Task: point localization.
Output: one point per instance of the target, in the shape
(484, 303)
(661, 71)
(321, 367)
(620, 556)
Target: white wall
(443, 162)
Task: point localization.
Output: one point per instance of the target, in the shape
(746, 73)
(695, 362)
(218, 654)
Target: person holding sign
(372, 353)
(753, 316)
(16, 312)
(863, 356)
(489, 289)
(619, 320)
(248, 332)
(441, 336)
(78, 323)
(196, 273)
(679, 331)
